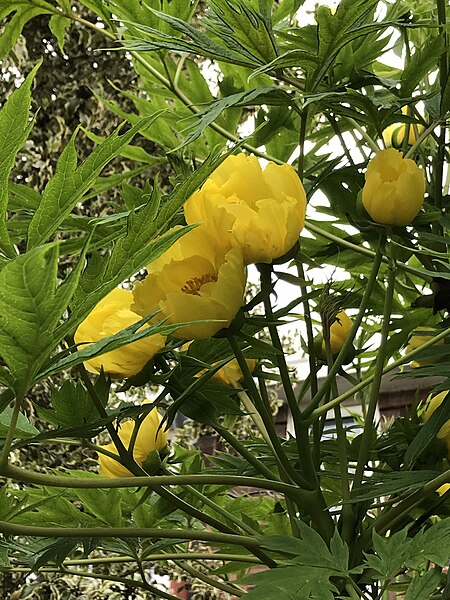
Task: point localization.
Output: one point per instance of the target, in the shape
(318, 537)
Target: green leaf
(4, 560)
(336, 30)
(106, 505)
(310, 550)
(195, 41)
(13, 28)
(14, 129)
(287, 8)
(22, 197)
(427, 433)
(390, 553)
(432, 544)
(132, 152)
(27, 315)
(24, 429)
(55, 554)
(70, 182)
(58, 26)
(423, 585)
(244, 29)
(291, 583)
(72, 406)
(259, 95)
(422, 61)
(292, 58)
(152, 511)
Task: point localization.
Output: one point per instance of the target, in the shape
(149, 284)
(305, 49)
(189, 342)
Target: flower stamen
(192, 286)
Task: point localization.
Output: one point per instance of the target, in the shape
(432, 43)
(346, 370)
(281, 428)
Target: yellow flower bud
(231, 373)
(147, 441)
(394, 135)
(416, 341)
(264, 210)
(197, 278)
(433, 403)
(394, 190)
(339, 331)
(111, 315)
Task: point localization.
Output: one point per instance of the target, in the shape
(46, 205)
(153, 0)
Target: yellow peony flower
(231, 373)
(432, 404)
(394, 190)
(111, 315)
(145, 443)
(394, 135)
(339, 331)
(195, 279)
(416, 341)
(264, 210)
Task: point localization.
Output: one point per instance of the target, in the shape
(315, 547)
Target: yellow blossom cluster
(244, 214)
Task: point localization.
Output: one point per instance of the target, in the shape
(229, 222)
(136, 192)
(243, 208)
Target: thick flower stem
(301, 432)
(312, 409)
(129, 532)
(287, 471)
(366, 438)
(341, 438)
(309, 330)
(154, 481)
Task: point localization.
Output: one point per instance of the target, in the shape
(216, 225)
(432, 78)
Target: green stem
(25, 476)
(287, 471)
(338, 362)
(378, 373)
(162, 557)
(301, 431)
(428, 131)
(245, 453)
(129, 532)
(309, 331)
(233, 590)
(291, 510)
(341, 437)
(369, 141)
(338, 132)
(301, 143)
(11, 432)
(214, 506)
(363, 251)
(255, 416)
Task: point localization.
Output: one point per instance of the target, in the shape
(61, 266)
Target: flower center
(192, 286)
